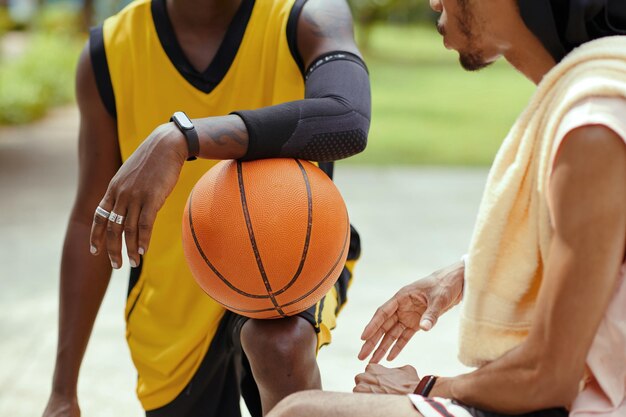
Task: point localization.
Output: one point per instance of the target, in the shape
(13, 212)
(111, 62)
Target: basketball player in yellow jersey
(165, 81)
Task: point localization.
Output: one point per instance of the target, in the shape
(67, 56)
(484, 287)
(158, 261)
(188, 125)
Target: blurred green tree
(5, 19)
(369, 12)
(88, 14)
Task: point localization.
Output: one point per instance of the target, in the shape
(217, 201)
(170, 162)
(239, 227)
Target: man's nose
(436, 5)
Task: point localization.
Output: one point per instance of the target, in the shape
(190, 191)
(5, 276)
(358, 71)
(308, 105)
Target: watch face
(182, 120)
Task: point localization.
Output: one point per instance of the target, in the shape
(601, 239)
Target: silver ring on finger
(119, 219)
(102, 212)
(112, 217)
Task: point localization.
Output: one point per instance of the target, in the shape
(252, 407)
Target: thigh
(335, 404)
(214, 389)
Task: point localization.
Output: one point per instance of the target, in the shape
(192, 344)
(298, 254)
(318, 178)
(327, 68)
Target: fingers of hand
(360, 378)
(133, 220)
(408, 369)
(381, 322)
(383, 313)
(432, 313)
(362, 388)
(131, 235)
(366, 381)
(366, 389)
(373, 369)
(390, 337)
(407, 334)
(115, 228)
(98, 227)
(144, 228)
(370, 344)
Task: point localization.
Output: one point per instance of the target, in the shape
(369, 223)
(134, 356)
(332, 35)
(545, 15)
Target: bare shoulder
(87, 94)
(587, 183)
(88, 98)
(597, 145)
(325, 26)
(85, 80)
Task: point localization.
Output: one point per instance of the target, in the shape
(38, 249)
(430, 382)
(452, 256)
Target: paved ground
(412, 221)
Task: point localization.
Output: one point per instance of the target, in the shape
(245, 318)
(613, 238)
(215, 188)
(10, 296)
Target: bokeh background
(417, 86)
(413, 194)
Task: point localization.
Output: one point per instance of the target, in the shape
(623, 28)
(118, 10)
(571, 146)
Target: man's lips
(442, 31)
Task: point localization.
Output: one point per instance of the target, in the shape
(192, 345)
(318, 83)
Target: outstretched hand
(136, 193)
(416, 306)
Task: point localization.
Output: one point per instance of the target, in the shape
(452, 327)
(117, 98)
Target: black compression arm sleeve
(331, 123)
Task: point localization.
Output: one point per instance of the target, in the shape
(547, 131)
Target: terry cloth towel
(510, 244)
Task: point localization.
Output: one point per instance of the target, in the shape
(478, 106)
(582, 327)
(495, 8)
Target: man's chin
(473, 61)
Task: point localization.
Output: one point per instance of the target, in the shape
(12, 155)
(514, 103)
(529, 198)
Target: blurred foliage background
(426, 109)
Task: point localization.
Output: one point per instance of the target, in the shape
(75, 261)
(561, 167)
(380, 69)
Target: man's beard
(472, 61)
(472, 58)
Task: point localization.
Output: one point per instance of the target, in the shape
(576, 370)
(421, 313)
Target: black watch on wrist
(183, 122)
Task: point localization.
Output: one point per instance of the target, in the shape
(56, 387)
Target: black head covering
(562, 25)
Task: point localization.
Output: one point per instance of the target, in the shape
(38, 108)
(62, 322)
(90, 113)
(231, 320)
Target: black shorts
(552, 412)
(224, 376)
(443, 407)
(221, 379)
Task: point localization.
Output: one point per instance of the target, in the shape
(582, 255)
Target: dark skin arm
(587, 251)
(146, 179)
(84, 279)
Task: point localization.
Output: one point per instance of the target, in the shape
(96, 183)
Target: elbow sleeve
(331, 123)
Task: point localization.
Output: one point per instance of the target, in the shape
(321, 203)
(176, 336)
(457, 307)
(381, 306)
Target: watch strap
(193, 143)
(189, 131)
(425, 385)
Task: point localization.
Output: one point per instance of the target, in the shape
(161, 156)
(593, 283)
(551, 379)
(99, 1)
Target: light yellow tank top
(170, 321)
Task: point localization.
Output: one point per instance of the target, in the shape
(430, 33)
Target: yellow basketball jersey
(143, 78)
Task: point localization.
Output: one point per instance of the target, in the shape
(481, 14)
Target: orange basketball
(268, 238)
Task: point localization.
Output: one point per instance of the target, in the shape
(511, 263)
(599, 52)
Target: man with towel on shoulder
(544, 282)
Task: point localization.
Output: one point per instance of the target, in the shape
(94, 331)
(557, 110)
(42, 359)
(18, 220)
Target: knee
(289, 342)
(302, 404)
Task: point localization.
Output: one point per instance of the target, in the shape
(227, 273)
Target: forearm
(516, 383)
(84, 280)
(330, 123)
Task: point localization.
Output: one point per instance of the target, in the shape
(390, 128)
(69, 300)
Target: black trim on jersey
(342, 284)
(552, 412)
(334, 56)
(292, 33)
(133, 279)
(100, 67)
(318, 319)
(209, 79)
(132, 307)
